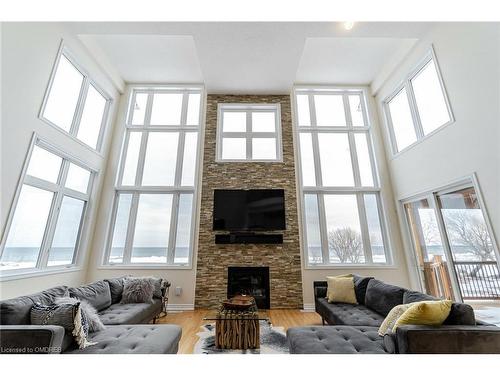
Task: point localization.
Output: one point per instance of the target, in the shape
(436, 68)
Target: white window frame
(175, 190)
(248, 134)
(59, 191)
(407, 84)
(87, 81)
(432, 197)
(358, 190)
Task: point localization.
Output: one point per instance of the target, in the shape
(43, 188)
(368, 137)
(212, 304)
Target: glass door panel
(429, 250)
(471, 245)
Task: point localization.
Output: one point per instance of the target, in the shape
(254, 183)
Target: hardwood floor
(191, 321)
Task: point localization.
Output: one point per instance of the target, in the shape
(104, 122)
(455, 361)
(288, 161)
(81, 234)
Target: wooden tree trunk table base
(237, 329)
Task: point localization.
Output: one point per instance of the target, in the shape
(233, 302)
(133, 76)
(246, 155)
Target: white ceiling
(354, 61)
(252, 58)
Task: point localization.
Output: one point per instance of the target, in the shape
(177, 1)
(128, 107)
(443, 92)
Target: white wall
(395, 273)
(469, 57)
(28, 54)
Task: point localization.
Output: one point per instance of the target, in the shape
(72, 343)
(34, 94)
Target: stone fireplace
(283, 259)
(253, 281)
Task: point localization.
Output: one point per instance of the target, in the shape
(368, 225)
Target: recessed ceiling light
(348, 25)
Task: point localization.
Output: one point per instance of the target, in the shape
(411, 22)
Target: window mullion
(354, 160)
(347, 111)
(127, 252)
(53, 217)
(82, 97)
(365, 233)
(414, 110)
(119, 179)
(173, 229)
(325, 253)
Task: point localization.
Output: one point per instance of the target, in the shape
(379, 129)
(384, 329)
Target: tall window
(418, 107)
(74, 102)
(154, 210)
(46, 221)
(339, 187)
(249, 132)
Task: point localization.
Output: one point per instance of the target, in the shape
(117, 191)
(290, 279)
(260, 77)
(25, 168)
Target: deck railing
(478, 279)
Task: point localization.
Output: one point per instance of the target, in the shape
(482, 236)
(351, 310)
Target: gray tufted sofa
(127, 331)
(354, 328)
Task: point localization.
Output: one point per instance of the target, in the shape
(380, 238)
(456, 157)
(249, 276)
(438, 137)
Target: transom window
(249, 132)
(154, 209)
(74, 102)
(418, 107)
(339, 187)
(47, 217)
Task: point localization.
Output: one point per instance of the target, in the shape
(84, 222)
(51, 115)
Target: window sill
(350, 266)
(145, 267)
(38, 273)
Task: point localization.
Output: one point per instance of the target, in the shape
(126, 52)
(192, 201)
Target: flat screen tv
(249, 210)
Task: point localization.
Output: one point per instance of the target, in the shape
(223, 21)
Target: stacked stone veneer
(283, 260)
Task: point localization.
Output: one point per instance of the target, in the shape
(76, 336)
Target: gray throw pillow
(97, 294)
(157, 283)
(93, 320)
(137, 290)
(68, 315)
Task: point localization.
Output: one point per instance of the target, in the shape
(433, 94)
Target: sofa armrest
(26, 339)
(447, 339)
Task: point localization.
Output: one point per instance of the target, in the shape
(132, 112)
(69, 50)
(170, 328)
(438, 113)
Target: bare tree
(346, 244)
(470, 231)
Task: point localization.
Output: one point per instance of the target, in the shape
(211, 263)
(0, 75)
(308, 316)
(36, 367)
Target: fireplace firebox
(252, 281)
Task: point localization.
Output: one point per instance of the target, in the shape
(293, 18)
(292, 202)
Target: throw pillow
(431, 313)
(158, 283)
(89, 311)
(70, 316)
(341, 289)
(391, 318)
(137, 290)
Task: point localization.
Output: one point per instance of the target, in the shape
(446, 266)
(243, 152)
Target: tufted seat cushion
(349, 315)
(335, 340)
(134, 339)
(130, 313)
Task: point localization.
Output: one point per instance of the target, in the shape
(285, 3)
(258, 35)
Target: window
(46, 221)
(154, 209)
(249, 132)
(455, 252)
(339, 188)
(74, 103)
(418, 107)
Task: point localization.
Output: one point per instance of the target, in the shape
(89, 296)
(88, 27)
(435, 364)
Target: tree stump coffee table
(237, 329)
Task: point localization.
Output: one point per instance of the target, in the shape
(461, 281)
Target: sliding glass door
(454, 249)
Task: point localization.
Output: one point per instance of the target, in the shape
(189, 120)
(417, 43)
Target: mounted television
(249, 210)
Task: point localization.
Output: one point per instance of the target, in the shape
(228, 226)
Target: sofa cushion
(360, 285)
(382, 297)
(130, 313)
(97, 294)
(347, 314)
(135, 339)
(115, 288)
(460, 313)
(335, 340)
(17, 310)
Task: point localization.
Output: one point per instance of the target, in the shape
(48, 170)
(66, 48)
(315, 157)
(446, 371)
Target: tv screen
(249, 210)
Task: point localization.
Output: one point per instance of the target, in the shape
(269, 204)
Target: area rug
(272, 341)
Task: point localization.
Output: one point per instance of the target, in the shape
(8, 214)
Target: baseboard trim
(180, 307)
(308, 307)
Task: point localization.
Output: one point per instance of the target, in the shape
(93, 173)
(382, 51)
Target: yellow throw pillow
(392, 317)
(341, 289)
(429, 313)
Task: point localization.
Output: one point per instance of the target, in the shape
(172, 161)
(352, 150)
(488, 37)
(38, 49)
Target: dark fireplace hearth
(252, 281)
